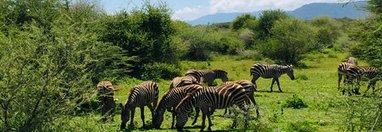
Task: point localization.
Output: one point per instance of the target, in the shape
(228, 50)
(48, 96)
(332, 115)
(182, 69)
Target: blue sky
(193, 9)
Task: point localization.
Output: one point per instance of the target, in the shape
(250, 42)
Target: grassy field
(316, 85)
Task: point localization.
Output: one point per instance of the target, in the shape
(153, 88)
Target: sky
(187, 10)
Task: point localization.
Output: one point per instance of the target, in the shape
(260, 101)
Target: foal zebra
(183, 81)
(105, 93)
(271, 71)
(170, 100)
(208, 99)
(145, 94)
(249, 86)
(208, 76)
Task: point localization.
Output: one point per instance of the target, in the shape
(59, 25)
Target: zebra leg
(132, 118)
(339, 80)
(203, 120)
(252, 98)
(143, 115)
(209, 118)
(152, 111)
(273, 82)
(197, 110)
(173, 118)
(278, 84)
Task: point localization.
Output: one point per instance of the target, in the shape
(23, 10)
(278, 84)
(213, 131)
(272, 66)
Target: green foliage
(300, 126)
(146, 34)
(266, 22)
(158, 71)
(328, 32)
(243, 21)
(291, 40)
(375, 6)
(295, 102)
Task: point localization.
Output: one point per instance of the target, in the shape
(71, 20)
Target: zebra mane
(162, 101)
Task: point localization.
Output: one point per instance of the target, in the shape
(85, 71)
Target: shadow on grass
(274, 91)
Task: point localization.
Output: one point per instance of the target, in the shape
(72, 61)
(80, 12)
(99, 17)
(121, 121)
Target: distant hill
(308, 11)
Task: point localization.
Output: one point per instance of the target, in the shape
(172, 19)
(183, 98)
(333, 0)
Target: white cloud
(224, 6)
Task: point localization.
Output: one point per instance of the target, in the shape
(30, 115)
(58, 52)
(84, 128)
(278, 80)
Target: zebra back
(369, 72)
(344, 67)
(172, 99)
(208, 75)
(182, 81)
(271, 71)
(210, 98)
(141, 95)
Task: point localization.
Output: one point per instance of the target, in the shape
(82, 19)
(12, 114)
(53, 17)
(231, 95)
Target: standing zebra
(271, 71)
(249, 86)
(183, 81)
(105, 93)
(208, 99)
(170, 100)
(371, 73)
(145, 94)
(208, 76)
(350, 71)
(352, 60)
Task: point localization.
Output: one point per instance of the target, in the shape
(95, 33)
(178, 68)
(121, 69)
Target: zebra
(372, 74)
(249, 86)
(170, 100)
(105, 93)
(208, 99)
(208, 76)
(271, 71)
(350, 71)
(145, 94)
(183, 81)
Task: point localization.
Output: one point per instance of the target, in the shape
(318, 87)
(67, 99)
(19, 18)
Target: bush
(295, 102)
(266, 22)
(290, 41)
(158, 71)
(300, 126)
(243, 21)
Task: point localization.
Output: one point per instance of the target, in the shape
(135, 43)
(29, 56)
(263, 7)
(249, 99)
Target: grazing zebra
(183, 81)
(349, 70)
(371, 73)
(208, 76)
(105, 93)
(208, 99)
(249, 86)
(170, 100)
(351, 73)
(145, 94)
(271, 71)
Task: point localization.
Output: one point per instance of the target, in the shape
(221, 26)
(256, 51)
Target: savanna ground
(316, 85)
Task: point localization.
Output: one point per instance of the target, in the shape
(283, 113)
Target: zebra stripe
(371, 74)
(208, 99)
(182, 81)
(105, 93)
(170, 100)
(203, 76)
(351, 73)
(145, 94)
(249, 86)
(271, 71)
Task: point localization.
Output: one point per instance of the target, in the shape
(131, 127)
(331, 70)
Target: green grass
(315, 85)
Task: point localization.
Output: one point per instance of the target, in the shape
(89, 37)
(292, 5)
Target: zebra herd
(187, 93)
(354, 74)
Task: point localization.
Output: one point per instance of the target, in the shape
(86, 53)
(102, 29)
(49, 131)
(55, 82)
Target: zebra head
(125, 115)
(290, 71)
(221, 74)
(182, 111)
(105, 87)
(159, 112)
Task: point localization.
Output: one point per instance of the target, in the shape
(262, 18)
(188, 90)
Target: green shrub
(158, 71)
(300, 126)
(295, 102)
(266, 22)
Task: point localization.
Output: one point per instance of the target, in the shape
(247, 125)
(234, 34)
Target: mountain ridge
(307, 11)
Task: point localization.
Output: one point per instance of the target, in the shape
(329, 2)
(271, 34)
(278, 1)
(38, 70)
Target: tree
(291, 39)
(243, 21)
(266, 21)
